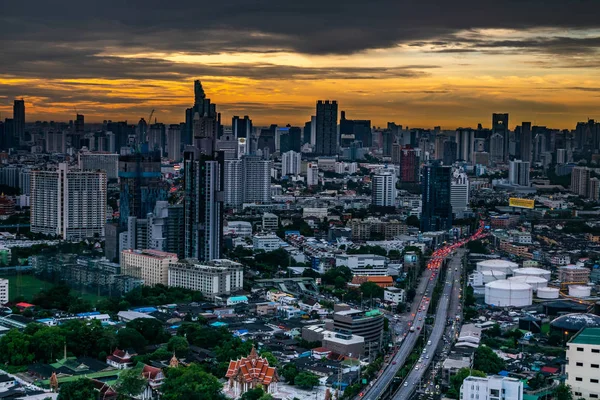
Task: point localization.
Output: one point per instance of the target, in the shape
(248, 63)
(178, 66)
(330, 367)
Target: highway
(419, 310)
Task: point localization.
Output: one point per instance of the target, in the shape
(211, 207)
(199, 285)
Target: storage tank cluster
(580, 291)
(530, 271)
(504, 266)
(535, 282)
(508, 293)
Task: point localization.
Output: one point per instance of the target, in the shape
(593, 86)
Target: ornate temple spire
(174, 363)
(54, 382)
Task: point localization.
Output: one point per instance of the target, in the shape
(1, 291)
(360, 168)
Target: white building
(384, 188)
(312, 174)
(459, 193)
(266, 242)
(218, 278)
(491, 388)
(152, 266)
(3, 291)
(394, 295)
(290, 163)
(69, 204)
(518, 172)
(560, 259)
(233, 183)
(238, 228)
(256, 185)
(270, 222)
(363, 264)
(93, 161)
(583, 367)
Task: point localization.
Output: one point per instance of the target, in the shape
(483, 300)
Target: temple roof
(252, 368)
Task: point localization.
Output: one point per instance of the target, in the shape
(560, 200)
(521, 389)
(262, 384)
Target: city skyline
(395, 62)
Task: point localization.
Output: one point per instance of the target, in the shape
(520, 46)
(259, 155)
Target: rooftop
(587, 336)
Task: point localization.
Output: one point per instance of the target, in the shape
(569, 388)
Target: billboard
(521, 203)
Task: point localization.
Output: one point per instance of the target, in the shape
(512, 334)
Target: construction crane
(150, 117)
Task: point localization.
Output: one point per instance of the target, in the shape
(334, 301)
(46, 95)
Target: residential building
(266, 242)
(560, 259)
(233, 183)
(594, 189)
(270, 222)
(583, 364)
(384, 188)
(394, 295)
(67, 203)
(312, 174)
(459, 193)
(573, 273)
(381, 281)
(19, 121)
(326, 129)
(518, 173)
(256, 187)
(238, 228)
(436, 202)
(150, 265)
(214, 278)
(103, 161)
(174, 143)
(4, 291)
(290, 163)
(580, 177)
(491, 388)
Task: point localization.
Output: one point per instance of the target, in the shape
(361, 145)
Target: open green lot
(28, 286)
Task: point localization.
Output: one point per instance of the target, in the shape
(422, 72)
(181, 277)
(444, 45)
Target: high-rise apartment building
(409, 166)
(497, 148)
(233, 183)
(583, 355)
(436, 212)
(257, 179)
(491, 388)
(312, 174)
(19, 121)
(141, 185)
(290, 163)
(67, 203)
(103, 161)
(384, 188)
(152, 266)
(174, 142)
(213, 279)
(326, 128)
(518, 172)
(594, 189)
(580, 177)
(459, 193)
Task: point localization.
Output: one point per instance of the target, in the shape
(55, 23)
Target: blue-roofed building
(233, 300)
(145, 310)
(218, 324)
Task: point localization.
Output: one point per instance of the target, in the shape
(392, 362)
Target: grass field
(28, 286)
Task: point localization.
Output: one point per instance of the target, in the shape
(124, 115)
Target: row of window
(580, 364)
(592, 380)
(593, 350)
(592, 395)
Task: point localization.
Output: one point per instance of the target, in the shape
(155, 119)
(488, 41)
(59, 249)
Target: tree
(457, 380)
(563, 392)
(128, 338)
(179, 345)
(80, 389)
(151, 329)
(191, 383)
(131, 382)
(340, 282)
(289, 373)
(47, 343)
(487, 361)
(306, 380)
(413, 220)
(371, 289)
(256, 394)
(15, 348)
(494, 331)
(273, 362)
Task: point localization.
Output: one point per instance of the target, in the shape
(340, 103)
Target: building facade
(152, 266)
(216, 278)
(583, 365)
(93, 161)
(4, 291)
(436, 212)
(491, 388)
(518, 172)
(326, 128)
(384, 188)
(290, 163)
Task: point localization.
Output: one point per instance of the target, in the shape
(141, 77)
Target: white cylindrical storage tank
(535, 282)
(548, 293)
(531, 271)
(491, 276)
(497, 265)
(505, 293)
(580, 291)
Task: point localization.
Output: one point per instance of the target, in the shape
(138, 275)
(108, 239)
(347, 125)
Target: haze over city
(431, 63)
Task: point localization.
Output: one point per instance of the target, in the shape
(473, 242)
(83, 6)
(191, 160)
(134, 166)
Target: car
(426, 356)
(405, 384)
(393, 362)
(417, 368)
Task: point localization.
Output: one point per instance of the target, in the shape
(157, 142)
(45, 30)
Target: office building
(561, 156)
(354, 131)
(213, 279)
(326, 128)
(459, 193)
(312, 174)
(496, 148)
(141, 185)
(56, 142)
(174, 142)
(465, 139)
(450, 152)
(367, 324)
(500, 126)
(290, 163)
(580, 177)
(409, 166)
(233, 182)
(70, 204)
(4, 291)
(491, 388)
(201, 120)
(152, 266)
(436, 212)
(257, 179)
(100, 161)
(583, 355)
(384, 188)
(241, 127)
(525, 141)
(518, 173)
(19, 121)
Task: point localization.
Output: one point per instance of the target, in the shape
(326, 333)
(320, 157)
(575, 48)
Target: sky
(417, 63)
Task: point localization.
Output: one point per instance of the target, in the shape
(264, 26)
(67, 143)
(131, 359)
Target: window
(579, 379)
(595, 366)
(595, 350)
(579, 364)
(593, 396)
(594, 380)
(577, 393)
(580, 349)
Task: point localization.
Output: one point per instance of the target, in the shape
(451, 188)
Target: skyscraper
(409, 166)
(326, 128)
(384, 188)
(233, 183)
(174, 142)
(67, 203)
(241, 127)
(257, 179)
(203, 182)
(500, 126)
(19, 121)
(290, 163)
(526, 142)
(449, 155)
(518, 173)
(465, 138)
(459, 193)
(354, 130)
(580, 177)
(497, 148)
(436, 212)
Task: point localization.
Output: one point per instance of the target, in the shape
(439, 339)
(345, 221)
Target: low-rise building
(560, 259)
(270, 222)
(152, 266)
(381, 281)
(212, 278)
(583, 365)
(360, 261)
(394, 295)
(238, 228)
(451, 366)
(266, 242)
(573, 273)
(491, 388)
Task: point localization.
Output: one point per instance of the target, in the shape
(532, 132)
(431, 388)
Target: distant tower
(437, 207)
(500, 126)
(19, 120)
(326, 132)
